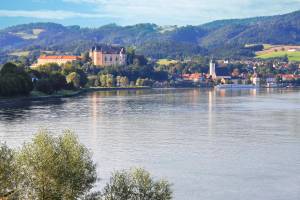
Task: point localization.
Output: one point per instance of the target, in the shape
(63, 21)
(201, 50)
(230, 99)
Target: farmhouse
(108, 56)
(294, 50)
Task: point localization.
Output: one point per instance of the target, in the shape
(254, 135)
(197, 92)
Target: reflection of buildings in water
(94, 104)
(194, 96)
(211, 115)
(236, 92)
(253, 92)
(222, 93)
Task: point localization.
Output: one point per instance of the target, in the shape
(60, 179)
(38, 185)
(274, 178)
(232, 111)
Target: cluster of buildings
(218, 74)
(104, 55)
(222, 75)
(101, 56)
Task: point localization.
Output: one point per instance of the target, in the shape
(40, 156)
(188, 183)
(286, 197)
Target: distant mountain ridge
(154, 40)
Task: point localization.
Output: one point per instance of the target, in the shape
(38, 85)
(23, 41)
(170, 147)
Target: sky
(94, 13)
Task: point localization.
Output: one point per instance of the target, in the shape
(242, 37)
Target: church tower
(212, 69)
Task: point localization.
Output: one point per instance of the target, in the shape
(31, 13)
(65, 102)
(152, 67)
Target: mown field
(20, 53)
(166, 62)
(293, 56)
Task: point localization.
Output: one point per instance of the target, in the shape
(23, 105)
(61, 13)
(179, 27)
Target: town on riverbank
(115, 67)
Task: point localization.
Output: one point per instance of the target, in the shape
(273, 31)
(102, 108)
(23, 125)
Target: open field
(279, 51)
(19, 53)
(26, 53)
(267, 46)
(293, 56)
(166, 62)
(29, 36)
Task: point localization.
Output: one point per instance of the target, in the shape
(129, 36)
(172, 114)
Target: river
(212, 145)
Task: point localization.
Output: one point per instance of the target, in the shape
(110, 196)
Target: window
(110, 59)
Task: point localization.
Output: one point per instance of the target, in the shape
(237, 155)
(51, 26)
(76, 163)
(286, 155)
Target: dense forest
(224, 38)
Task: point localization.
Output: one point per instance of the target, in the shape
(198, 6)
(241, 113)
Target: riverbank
(37, 96)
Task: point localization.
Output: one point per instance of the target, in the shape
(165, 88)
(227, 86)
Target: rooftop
(60, 57)
(109, 49)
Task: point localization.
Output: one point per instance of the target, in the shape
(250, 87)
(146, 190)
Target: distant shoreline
(69, 95)
(11, 100)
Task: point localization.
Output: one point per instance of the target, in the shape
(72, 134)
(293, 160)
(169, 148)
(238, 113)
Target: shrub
(8, 171)
(55, 168)
(136, 184)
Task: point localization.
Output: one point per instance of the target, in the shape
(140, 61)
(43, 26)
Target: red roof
(191, 76)
(289, 76)
(60, 57)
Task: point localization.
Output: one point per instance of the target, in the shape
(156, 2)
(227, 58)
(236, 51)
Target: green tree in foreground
(136, 184)
(55, 168)
(60, 168)
(7, 170)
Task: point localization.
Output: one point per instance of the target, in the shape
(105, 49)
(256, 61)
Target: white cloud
(50, 14)
(162, 12)
(187, 11)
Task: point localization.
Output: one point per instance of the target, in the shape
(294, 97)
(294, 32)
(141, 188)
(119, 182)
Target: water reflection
(207, 142)
(12, 110)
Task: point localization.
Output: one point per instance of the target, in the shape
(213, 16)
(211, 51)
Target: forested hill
(154, 40)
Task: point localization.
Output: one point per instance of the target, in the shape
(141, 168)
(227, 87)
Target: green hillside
(223, 38)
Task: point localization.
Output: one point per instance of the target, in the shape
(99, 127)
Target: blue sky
(94, 13)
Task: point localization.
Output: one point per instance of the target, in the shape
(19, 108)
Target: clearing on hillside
(279, 51)
(166, 61)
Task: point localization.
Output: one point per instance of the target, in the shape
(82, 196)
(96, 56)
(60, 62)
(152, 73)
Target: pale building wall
(212, 70)
(58, 61)
(100, 59)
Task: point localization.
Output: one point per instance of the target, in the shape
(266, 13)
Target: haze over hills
(152, 40)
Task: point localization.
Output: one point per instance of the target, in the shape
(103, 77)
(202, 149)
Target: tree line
(51, 78)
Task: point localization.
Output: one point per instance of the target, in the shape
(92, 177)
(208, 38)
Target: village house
(108, 56)
(289, 77)
(196, 77)
(294, 50)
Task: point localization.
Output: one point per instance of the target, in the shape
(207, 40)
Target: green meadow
(293, 56)
(166, 62)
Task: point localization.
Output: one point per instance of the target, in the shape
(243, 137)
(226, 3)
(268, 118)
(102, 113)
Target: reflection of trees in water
(120, 93)
(11, 110)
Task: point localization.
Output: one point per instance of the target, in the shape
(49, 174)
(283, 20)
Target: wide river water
(212, 145)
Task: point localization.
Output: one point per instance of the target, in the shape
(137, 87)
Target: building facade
(103, 56)
(212, 69)
(60, 60)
